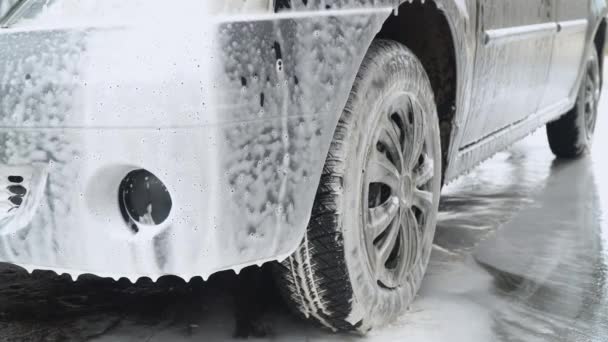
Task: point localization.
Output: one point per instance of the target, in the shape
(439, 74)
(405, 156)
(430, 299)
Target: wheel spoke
(389, 137)
(425, 172)
(382, 170)
(379, 218)
(387, 244)
(414, 139)
(412, 233)
(591, 120)
(392, 132)
(423, 200)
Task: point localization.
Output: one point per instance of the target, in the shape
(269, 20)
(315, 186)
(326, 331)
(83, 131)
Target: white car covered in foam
(147, 138)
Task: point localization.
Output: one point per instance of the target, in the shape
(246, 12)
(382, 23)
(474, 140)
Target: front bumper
(222, 217)
(237, 128)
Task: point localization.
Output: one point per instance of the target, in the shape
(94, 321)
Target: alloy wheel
(398, 191)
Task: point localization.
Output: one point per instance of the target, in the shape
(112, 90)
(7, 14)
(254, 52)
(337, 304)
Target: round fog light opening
(143, 199)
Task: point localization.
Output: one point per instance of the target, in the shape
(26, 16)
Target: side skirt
(472, 155)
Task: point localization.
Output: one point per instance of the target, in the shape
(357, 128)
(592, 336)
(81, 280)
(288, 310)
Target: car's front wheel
(371, 231)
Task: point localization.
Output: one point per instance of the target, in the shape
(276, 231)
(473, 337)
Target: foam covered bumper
(235, 118)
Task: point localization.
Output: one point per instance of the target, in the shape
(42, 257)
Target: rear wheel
(572, 135)
(372, 226)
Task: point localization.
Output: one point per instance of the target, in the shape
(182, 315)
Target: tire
(572, 135)
(339, 277)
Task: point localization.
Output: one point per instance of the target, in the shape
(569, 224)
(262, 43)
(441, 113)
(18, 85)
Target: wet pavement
(521, 254)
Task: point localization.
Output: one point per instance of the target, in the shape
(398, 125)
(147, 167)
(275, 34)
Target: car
(143, 139)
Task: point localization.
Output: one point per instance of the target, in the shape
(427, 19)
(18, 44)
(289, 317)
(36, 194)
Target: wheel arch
(426, 28)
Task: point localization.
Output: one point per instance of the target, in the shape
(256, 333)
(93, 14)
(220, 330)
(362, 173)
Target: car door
(568, 52)
(515, 41)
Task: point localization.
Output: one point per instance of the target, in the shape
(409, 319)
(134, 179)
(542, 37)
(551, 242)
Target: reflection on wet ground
(549, 264)
(521, 255)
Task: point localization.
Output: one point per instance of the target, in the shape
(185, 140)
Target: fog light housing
(143, 199)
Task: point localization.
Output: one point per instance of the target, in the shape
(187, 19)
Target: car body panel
(234, 114)
(572, 18)
(473, 150)
(511, 64)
